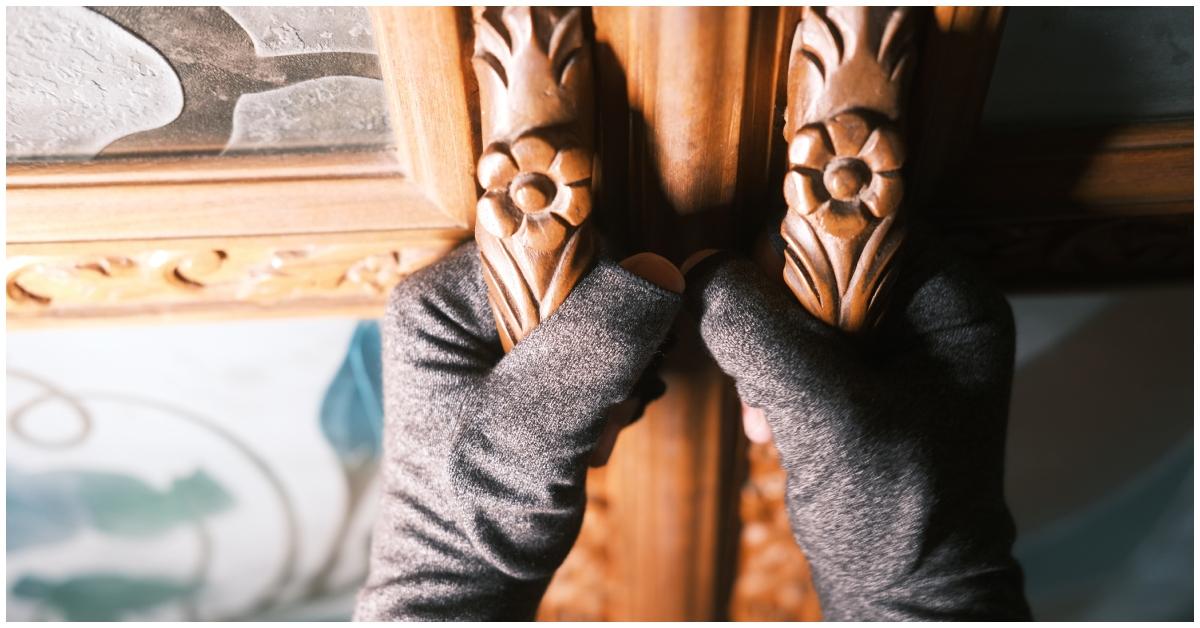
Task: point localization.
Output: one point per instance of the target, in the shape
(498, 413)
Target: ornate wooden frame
(211, 236)
(73, 228)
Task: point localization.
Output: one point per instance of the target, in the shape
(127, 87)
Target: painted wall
(215, 471)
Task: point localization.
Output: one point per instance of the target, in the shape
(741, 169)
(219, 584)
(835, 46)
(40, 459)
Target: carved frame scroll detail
(350, 273)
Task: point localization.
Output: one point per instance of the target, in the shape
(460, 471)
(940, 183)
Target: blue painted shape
(41, 510)
(101, 596)
(51, 507)
(352, 410)
(123, 505)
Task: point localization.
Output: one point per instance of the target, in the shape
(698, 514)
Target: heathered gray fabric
(485, 453)
(893, 444)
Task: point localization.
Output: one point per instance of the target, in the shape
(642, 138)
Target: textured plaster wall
(75, 82)
(292, 30)
(331, 110)
(111, 82)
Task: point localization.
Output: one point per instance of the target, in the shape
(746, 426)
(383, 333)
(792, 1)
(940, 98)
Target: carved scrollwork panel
(848, 72)
(131, 278)
(535, 75)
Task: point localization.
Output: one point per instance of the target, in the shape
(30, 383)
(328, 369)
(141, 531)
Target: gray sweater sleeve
(485, 452)
(893, 444)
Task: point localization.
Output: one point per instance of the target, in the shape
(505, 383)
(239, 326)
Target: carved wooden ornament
(110, 280)
(535, 90)
(846, 81)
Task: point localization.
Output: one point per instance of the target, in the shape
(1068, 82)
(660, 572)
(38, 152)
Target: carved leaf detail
(844, 186)
(532, 226)
(820, 42)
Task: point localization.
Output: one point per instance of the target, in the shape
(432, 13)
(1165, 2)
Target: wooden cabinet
(686, 522)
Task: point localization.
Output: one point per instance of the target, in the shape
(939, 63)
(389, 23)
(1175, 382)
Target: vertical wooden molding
(433, 124)
(949, 92)
(848, 69)
(687, 104)
(535, 88)
(848, 72)
(682, 147)
(671, 498)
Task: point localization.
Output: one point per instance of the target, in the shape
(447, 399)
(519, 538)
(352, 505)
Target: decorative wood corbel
(848, 73)
(535, 89)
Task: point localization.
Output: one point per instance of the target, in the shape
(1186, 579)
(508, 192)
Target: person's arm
(485, 452)
(893, 442)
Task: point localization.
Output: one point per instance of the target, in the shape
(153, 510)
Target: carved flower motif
(838, 168)
(534, 190)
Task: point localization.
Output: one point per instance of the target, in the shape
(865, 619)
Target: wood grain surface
(425, 59)
(1039, 173)
(675, 153)
(956, 59)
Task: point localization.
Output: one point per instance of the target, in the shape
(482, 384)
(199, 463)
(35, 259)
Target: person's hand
(486, 453)
(893, 442)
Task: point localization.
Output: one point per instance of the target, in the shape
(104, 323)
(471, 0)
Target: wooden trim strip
(1087, 252)
(225, 168)
(174, 210)
(1037, 174)
(1012, 140)
(424, 56)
